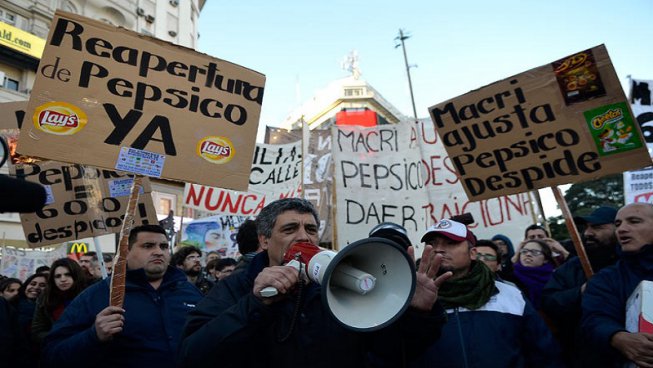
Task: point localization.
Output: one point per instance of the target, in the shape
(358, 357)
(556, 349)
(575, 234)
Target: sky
(454, 46)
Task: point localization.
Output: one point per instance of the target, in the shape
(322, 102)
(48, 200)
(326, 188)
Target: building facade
(24, 27)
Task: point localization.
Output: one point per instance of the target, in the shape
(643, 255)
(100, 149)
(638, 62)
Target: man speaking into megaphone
(237, 326)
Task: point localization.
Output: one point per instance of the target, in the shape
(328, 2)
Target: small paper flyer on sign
(564, 122)
(112, 98)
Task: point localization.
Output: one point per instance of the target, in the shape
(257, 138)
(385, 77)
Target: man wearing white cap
(490, 324)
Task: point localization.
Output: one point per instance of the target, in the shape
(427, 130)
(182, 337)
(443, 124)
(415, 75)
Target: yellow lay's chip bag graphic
(217, 150)
(60, 118)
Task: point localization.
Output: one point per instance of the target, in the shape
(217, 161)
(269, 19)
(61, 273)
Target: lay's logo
(217, 150)
(60, 118)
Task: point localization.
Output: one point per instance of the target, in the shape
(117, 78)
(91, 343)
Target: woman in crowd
(533, 269)
(9, 288)
(27, 295)
(66, 281)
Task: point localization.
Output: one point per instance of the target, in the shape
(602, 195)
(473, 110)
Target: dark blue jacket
(505, 332)
(151, 333)
(561, 302)
(14, 350)
(232, 328)
(604, 301)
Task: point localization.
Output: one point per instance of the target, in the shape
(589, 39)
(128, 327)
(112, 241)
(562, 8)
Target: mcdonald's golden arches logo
(77, 248)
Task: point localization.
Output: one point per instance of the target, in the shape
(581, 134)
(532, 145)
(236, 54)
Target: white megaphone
(366, 286)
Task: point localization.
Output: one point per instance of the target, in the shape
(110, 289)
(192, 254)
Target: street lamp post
(402, 36)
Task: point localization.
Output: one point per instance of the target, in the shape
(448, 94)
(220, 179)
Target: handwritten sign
(401, 173)
(113, 98)
(79, 204)
(275, 173)
(565, 122)
(317, 184)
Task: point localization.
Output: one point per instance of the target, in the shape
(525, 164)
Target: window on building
(349, 92)
(164, 205)
(11, 84)
(7, 17)
(164, 202)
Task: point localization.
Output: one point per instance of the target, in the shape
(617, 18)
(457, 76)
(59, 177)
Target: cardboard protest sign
(401, 173)
(22, 263)
(82, 202)
(275, 173)
(116, 99)
(565, 122)
(12, 114)
(317, 184)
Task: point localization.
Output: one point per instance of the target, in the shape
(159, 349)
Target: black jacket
(232, 328)
(561, 303)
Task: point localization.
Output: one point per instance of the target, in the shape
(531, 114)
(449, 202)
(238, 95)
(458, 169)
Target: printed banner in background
(638, 184)
(21, 263)
(214, 233)
(641, 102)
(401, 173)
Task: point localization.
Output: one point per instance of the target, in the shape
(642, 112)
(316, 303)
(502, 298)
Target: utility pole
(402, 36)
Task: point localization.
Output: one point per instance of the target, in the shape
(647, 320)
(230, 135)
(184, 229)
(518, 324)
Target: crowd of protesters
(493, 304)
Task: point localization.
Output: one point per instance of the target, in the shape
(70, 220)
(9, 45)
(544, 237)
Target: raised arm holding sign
(118, 100)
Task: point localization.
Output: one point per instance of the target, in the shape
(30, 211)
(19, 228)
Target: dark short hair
(93, 255)
(225, 262)
(535, 227)
(546, 250)
(212, 264)
(267, 218)
(180, 256)
(42, 269)
(247, 237)
(4, 284)
(489, 244)
(147, 228)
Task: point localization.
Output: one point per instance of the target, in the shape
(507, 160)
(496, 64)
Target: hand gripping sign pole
(117, 296)
(573, 232)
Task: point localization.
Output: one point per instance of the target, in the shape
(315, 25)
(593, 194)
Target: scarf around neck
(471, 291)
(534, 279)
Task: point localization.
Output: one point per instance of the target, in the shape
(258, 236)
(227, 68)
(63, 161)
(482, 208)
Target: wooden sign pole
(573, 232)
(117, 296)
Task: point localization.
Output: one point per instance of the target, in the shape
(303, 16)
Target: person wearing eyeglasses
(538, 232)
(534, 268)
(489, 323)
(188, 259)
(487, 252)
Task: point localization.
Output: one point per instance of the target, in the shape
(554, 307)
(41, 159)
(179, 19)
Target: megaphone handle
(271, 291)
